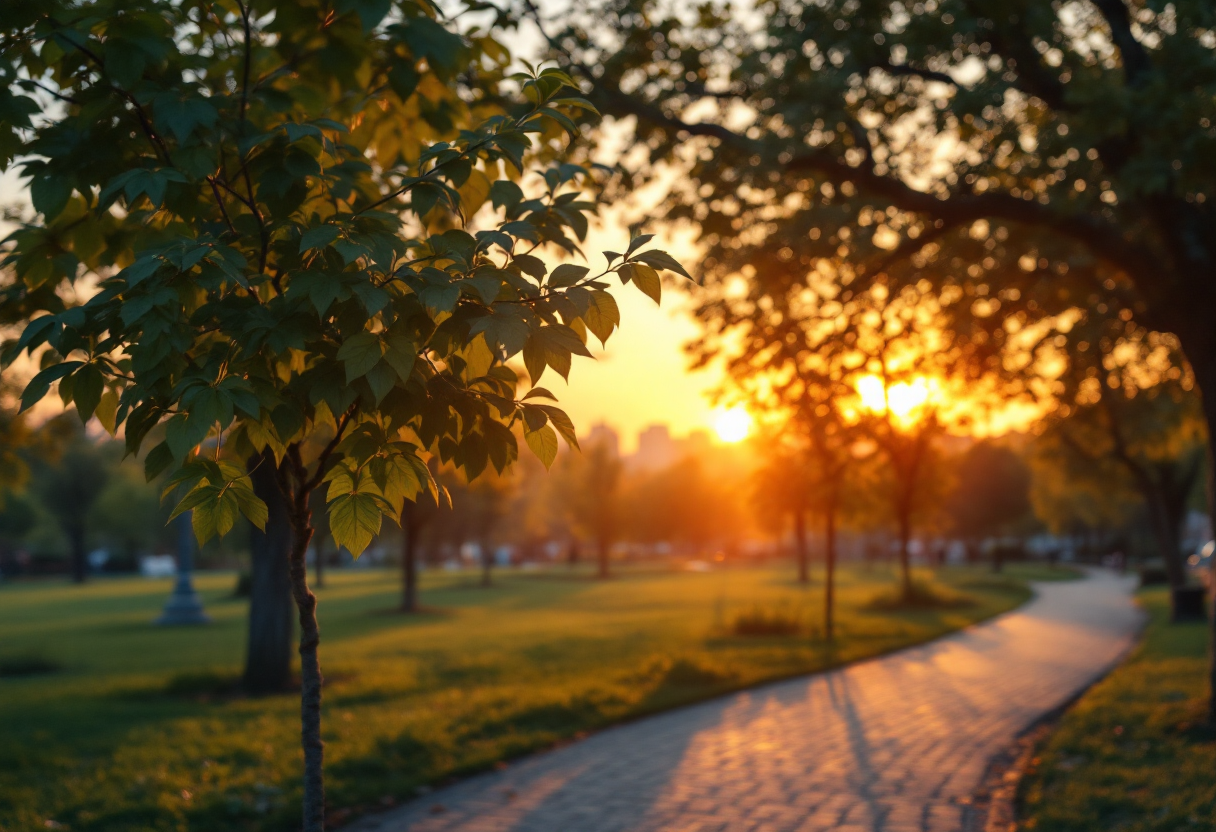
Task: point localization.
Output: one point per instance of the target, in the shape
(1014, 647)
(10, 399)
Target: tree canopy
(272, 211)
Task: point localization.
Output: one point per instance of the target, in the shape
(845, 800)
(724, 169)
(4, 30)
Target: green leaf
(567, 274)
(215, 517)
(157, 460)
(543, 443)
(250, 504)
(41, 384)
(382, 379)
(87, 385)
(318, 237)
(637, 242)
(359, 354)
(506, 193)
(354, 520)
(107, 411)
(602, 316)
(403, 78)
(580, 103)
(201, 493)
(647, 279)
(530, 265)
(662, 260)
(401, 355)
(534, 358)
(50, 194)
(561, 420)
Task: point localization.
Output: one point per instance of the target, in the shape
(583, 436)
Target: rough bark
(310, 669)
(268, 651)
(804, 569)
(409, 558)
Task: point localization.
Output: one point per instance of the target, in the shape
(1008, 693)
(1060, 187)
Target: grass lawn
(1134, 755)
(136, 732)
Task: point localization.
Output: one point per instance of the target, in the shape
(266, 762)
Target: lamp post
(184, 606)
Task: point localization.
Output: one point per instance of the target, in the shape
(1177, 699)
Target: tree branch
(309, 485)
(1104, 239)
(1009, 39)
(1136, 60)
(219, 200)
(905, 70)
(158, 145)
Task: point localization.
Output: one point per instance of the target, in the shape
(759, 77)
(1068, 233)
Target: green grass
(131, 728)
(1134, 754)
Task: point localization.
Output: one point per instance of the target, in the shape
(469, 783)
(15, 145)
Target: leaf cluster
(302, 227)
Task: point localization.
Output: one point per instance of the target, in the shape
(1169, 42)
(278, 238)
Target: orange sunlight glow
(733, 425)
(904, 398)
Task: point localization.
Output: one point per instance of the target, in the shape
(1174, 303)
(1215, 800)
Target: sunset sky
(642, 377)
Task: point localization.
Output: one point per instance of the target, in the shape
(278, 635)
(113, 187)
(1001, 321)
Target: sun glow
(733, 425)
(904, 398)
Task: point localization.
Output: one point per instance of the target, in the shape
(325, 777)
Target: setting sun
(903, 398)
(733, 425)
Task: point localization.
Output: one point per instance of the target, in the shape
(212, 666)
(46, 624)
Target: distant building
(656, 449)
(601, 434)
(698, 443)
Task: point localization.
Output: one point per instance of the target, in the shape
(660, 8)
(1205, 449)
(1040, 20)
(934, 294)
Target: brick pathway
(890, 745)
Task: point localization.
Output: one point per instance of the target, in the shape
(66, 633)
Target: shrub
(244, 585)
(781, 620)
(1153, 574)
(924, 596)
(688, 672)
(27, 665)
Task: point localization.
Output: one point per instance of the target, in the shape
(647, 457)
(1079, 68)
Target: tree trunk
(268, 654)
(1199, 343)
(409, 558)
(310, 669)
(829, 571)
(905, 557)
(486, 565)
(800, 548)
(80, 564)
(602, 551)
(1165, 530)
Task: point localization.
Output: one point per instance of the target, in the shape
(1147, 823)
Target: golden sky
(642, 378)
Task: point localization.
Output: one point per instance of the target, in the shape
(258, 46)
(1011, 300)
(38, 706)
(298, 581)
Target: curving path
(894, 744)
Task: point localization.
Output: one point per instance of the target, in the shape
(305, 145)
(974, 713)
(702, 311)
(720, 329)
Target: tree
(14, 437)
(991, 493)
(595, 501)
(268, 642)
(70, 486)
(479, 507)
(1130, 415)
(1038, 156)
(415, 517)
(290, 262)
(781, 489)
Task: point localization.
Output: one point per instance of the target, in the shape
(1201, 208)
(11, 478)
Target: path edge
(993, 806)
